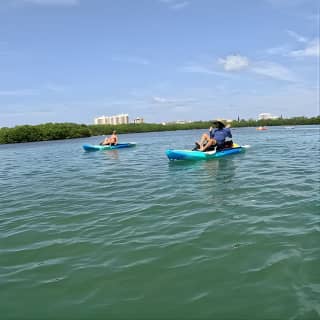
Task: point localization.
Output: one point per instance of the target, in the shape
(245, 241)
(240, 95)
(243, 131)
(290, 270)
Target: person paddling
(111, 141)
(216, 138)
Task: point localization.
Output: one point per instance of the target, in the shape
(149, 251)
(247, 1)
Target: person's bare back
(112, 140)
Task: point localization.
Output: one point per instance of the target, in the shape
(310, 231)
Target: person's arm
(211, 132)
(228, 131)
(116, 140)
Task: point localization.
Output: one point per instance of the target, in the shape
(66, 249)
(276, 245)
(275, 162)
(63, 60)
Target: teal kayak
(93, 147)
(199, 155)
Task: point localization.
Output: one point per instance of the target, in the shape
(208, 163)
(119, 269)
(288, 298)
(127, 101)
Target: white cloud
(308, 48)
(297, 36)
(180, 5)
(280, 50)
(196, 68)
(172, 101)
(175, 4)
(52, 2)
(273, 70)
(234, 62)
(311, 50)
(159, 100)
(268, 69)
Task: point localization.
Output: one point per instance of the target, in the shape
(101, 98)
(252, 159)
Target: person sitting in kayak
(111, 141)
(215, 139)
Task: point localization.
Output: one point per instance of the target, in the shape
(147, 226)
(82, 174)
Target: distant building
(138, 120)
(114, 120)
(182, 121)
(266, 116)
(176, 122)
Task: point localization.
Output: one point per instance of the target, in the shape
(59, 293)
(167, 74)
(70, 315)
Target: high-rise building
(138, 120)
(114, 120)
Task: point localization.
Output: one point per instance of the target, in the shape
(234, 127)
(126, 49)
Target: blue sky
(163, 60)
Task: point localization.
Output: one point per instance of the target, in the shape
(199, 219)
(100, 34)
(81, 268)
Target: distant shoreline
(61, 131)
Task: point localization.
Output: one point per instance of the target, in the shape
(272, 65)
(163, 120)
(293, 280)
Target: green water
(126, 234)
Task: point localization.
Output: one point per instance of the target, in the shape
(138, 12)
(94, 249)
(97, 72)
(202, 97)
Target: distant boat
(261, 128)
(289, 127)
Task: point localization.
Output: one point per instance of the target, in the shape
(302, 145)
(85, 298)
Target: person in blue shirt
(216, 138)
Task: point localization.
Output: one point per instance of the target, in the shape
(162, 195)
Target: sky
(163, 60)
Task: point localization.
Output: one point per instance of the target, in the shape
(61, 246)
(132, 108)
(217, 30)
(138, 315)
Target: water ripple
(90, 235)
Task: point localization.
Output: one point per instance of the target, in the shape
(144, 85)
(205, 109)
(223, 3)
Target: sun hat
(220, 122)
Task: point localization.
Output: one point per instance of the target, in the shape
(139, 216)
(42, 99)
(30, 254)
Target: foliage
(55, 131)
(43, 132)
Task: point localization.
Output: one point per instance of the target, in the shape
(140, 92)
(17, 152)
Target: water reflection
(112, 154)
(220, 169)
(185, 165)
(224, 170)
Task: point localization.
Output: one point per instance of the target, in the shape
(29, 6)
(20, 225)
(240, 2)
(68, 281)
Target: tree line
(57, 131)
